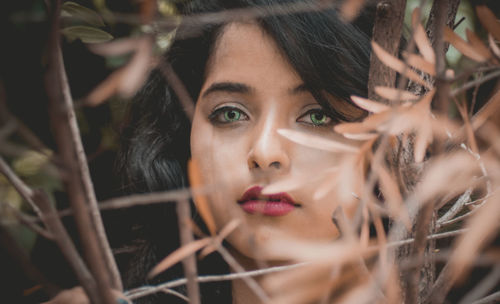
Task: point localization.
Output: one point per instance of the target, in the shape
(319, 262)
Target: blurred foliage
(454, 57)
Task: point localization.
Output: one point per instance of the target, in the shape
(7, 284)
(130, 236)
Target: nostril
(255, 164)
(275, 164)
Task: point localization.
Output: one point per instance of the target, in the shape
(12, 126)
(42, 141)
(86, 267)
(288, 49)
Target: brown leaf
(178, 255)
(369, 124)
(491, 107)
(116, 47)
(422, 140)
(395, 94)
(488, 20)
(105, 89)
(462, 46)
(420, 63)
(369, 105)
(332, 143)
(397, 64)
(454, 169)
(420, 37)
(493, 46)
(327, 185)
(350, 9)
(217, 240)
(294, 182)
(477, 44)
(126, 80)
(137, 69)
(393, 197)
(200, 200)
(482, 226)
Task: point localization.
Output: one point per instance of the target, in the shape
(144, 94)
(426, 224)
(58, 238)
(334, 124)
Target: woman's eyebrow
(231, 87)
(301, 88)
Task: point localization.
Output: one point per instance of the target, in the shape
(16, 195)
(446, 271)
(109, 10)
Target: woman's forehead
(245, 52)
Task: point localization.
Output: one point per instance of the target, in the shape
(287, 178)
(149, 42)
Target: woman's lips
(278, 204)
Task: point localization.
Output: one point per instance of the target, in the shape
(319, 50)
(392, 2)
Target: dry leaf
(420, 37)
(420, 63)
(116, 47)
(494, 47)
(200, 200)
(488, 20)
(395, 94)
(462, 46)
(482, 226)
(330, 144)
(397, 64)
(369, 105)
(369, 124)
(423, 139)
(350, 9)
(178, 255)
(491, 107)
(126, 80)
(217, 240)
(393, 197)
(137, 70)
(451, 169)
(477, 44)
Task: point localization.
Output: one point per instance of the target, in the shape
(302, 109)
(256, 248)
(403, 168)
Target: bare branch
(66, 246)
(387, 33)
(78, 185)
(483, 287)
(23, 189)
(147, 290)
(189, 263)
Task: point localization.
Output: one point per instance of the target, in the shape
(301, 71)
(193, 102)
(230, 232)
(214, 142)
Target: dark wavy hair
(331, 57)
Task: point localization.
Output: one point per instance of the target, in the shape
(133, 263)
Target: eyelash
(216, 116)
(308, 115)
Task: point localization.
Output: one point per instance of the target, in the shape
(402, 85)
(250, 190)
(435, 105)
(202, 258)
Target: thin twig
(457, 207)
(483, 287)
(194, 22)
(11, 246)
(23, 189)
(175, 293)
(473, 83)
(434, 236)
(66, 246)
(188, 263)
(178, 87)
(492, 298)
(147, 290)
(252, 284)
(29, 222)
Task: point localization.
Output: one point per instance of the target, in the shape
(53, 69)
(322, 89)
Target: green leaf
(86, 34)
(83, 13)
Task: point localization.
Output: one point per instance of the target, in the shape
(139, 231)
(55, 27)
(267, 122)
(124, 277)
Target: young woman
(250, 79)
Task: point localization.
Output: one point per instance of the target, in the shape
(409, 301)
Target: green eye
(318, 118)
(231, 115)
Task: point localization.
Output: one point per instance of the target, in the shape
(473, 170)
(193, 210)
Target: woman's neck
(241, 292)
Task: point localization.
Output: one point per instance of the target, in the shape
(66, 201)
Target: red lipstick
(277, 204)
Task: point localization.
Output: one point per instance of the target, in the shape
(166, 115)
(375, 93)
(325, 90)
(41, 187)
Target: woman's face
(250, 93)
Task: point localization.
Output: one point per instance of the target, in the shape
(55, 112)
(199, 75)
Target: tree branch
(78, 185)
(189, 263)
(387, 33)
(62, 239)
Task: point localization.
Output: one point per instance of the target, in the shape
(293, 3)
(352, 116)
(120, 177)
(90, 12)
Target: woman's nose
(268, 150)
